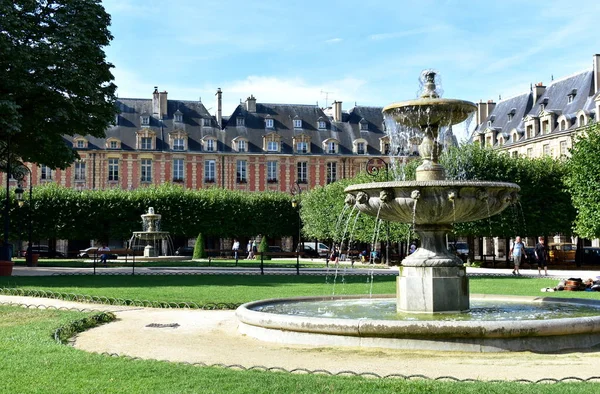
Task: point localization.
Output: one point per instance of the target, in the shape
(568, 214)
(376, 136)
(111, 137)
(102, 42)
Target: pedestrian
(335, 256)
(249, 250)
(103, 255)
(541, 256)
(516, 252)
(235, 248)
(254, 249)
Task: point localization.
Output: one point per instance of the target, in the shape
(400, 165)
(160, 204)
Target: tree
(54, 78)
(263, 248)
(199, 251)
(583, 180)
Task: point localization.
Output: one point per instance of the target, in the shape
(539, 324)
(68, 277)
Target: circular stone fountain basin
(440, 202)
(427, 111)
(495, 324)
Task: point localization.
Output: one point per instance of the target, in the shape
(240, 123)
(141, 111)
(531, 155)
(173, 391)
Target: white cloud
(333, 40)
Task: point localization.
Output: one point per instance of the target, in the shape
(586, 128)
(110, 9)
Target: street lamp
(295, 191)
(19, 194)
(374, 165)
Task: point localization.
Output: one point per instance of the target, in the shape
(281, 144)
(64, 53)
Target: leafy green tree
(583, 180)
(199, 251)
(54, 78)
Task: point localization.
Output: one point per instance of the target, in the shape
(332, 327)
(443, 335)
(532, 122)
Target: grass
(243, 288)
(32, 362)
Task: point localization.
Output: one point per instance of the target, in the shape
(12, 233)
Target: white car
(320, 247)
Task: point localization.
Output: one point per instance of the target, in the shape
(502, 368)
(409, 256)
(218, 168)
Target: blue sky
(370, 52)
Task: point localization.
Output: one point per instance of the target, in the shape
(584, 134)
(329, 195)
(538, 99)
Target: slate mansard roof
(194, 114)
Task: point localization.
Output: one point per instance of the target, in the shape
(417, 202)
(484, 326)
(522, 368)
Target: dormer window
(206, 122)
(145, 120)
(571, 96)
(209, 145)
(178, 116)
(113, 143)
(146, 143)
(364, 125)
(302, 147)
(269, 123)
(272, 146)
(489, 123)
(239, 121)
(80, 144)
(331, 147)
(297, 123)
(272, 142)
(510, 117)
(511, 114)
(360, 148)
(242, 146)
(178, 144)
(321, 125)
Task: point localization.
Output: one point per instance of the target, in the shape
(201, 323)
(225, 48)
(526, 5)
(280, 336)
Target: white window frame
(239, 121)
(113, 145)
(178, 169)
(272, 146)
(146, 143)
(113, 169)
(564, 149)
(178, 144)
(302, 147)
(297, 123)
(361, 146)
(206, 122)
(80, 171)
(269, 123)
(331, 147)
(80, 144)
(242, 146)
(331, 172)
(210, 171)
(209, 145)
(321, 125)
(146, 170)
(302, 172)
(241, 171)
(272, 171)
(45, 173)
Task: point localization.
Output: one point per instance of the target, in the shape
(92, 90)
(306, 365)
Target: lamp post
(20, 201)
(6, 255)
(295, 191)
(374, 165)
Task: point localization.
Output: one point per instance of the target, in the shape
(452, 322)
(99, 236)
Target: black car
(45, 251)
(307, 251)
(590, 255)
(184, 251)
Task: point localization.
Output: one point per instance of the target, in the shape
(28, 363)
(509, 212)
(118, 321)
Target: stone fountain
(432, 279)
(152, 238)
(433, 309)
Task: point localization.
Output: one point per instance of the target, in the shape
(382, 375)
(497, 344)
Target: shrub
(199, 251)
(264, 247)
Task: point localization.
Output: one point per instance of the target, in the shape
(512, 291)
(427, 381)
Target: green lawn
(32, 362)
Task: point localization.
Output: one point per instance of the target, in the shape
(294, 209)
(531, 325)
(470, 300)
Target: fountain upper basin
(440, 202)
(426, 111)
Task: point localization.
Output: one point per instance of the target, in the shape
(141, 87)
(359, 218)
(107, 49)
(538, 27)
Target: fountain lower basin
(421, 333)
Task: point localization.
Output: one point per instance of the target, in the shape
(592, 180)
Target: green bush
(264, 247)
(199, 251)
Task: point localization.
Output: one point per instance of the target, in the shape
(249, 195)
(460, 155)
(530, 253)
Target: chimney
(155, 102)
(481, 112)
(337, 111)
(538, 90)
(162, 103)
(490, 105)
(251, 104)
(596, 74)
(219, 95)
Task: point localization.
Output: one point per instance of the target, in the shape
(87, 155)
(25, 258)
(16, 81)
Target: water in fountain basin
(385, 309)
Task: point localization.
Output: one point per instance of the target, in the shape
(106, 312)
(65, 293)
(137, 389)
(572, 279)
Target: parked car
(562, 252)
(91, 252)
(307, 251)
(320, 247)
(461, 249)
(184, 251)
(590, 255)
(44, 251)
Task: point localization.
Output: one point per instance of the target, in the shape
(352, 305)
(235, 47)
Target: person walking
(335, 256)
(249, 250)
(103, 253)
(516, 252)
(541, 256)
(235, 248)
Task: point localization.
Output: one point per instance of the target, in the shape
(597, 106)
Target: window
(241, 167)
(178, 144)
(546, 127)
(386, 148)
(302, 175)
(547, 150)
(529, 131)
(80, 171)
(113, 170)
(209, 171)
(563, 125)
(80, 144)
(331, 147)
(297, 123)
(271, 171)
(239, 121)
(515, 154)
(331, 172)
(570, 99)
(145, 120)
(360, 148)
(563, 148)
(46, 173)
(321, 125)
(302, 147)
(178, 117)
(241, 146)
(364, 125)
(146, 170)
(178, 170)
(529, 152)
(206, 122)
(510, 117)
(146, 143)
(582, 120)
(489, 123)
(113, 145)
(209, 145)
(272, 146)
(269, 123)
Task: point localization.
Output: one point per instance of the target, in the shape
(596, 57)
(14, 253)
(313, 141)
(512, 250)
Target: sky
(367, 52)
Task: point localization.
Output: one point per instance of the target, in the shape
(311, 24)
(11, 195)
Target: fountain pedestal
(432, 289)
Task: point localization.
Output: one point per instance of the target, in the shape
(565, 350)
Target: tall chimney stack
(251, 104)
(219, 95)
(538, 90)
(337, 111)
(156, 102)
(162, 103)
(596, 74)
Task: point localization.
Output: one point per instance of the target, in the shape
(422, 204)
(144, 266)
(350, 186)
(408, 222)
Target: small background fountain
(154, 241)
